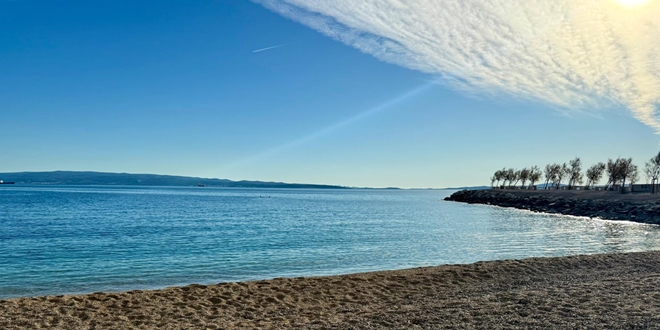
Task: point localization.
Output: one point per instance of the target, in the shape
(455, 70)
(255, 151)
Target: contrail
(268, 48)
(575, 55)
(349, 121)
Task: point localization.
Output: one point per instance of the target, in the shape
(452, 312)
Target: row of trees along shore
(619, 172)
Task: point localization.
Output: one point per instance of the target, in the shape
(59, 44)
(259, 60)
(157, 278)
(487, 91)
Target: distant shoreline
(126, 179)
(607, 205)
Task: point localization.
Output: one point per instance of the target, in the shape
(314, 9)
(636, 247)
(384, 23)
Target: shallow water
(61, 240)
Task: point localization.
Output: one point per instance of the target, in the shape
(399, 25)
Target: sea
(58, 240)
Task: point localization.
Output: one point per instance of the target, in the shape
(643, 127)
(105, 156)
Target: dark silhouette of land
(102, 178)
(610, 205)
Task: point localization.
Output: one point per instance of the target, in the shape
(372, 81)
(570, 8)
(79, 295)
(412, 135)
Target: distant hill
(469, 188)
(542, 185)
(102, 178)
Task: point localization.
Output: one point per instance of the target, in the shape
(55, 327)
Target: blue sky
(174, 87)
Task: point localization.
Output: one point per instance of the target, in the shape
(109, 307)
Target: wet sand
(612, 291)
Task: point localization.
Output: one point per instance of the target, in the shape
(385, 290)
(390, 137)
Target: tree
(534, 175)
(510, 176)
(524, 176)
(516, 177)
(627, 170)
(551, 174)
(548, 175)
(500, 175)
(649, 172)
(562, 172)
(594, 174)
(618, 171)
(633, 176)
(652, 171)
(574, 173)
(613, 173)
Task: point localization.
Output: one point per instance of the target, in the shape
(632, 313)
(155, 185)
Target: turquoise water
(62, 240)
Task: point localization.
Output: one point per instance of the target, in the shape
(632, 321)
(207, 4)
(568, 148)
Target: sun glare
(632, 3)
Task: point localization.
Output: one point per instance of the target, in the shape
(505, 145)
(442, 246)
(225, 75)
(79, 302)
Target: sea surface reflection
(61, 240)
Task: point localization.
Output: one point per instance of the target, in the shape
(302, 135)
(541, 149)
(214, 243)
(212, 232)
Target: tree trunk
(653, 186)
(653, 183)
(623, 186)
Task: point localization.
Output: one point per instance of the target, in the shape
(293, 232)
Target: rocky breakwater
(603, 205)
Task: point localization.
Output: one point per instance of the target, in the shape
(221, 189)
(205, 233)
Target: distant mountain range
(101, 178)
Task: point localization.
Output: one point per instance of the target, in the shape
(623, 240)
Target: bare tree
(648, 172)
(652, 171)
(574, 173)
(633, 176)
(594, 174)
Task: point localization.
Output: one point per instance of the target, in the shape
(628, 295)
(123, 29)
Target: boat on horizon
(2, 182)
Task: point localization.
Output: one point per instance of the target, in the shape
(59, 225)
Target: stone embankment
(603, 205)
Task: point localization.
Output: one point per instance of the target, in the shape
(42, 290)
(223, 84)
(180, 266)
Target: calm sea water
(62, 240)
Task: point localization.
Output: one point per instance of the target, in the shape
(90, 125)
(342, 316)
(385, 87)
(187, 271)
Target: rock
(648, 212)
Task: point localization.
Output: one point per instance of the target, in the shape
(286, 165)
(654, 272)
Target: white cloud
(575, 54)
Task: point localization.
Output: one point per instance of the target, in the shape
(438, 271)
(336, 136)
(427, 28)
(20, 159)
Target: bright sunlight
(632, 3)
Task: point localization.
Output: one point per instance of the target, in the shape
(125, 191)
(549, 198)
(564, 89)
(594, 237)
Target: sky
(373, 93)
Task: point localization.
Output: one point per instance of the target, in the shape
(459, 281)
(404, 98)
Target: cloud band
(576, 55)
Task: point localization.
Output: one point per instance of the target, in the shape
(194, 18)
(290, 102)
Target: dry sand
(614, 291)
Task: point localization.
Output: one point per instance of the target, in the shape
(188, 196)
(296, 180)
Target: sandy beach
(611, 291)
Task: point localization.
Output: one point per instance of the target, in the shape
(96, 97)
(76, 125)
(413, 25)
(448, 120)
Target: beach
(604, 291)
